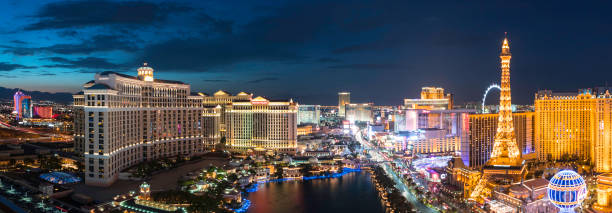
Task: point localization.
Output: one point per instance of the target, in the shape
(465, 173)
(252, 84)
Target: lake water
(353, 192)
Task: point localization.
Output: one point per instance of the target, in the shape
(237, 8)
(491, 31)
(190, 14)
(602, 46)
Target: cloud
(85, 62)
(367, 66)
(259, 80)
(216, 80)
(329, 60)
(7, 76)
(67, 33)
(59, 15)
(97, 43)
(18, 42)
(391, 39)
(216, 25)
(88, 71)
(277, 36)
(361, 47)
(9, 66)
(452, 38)
(202, 55)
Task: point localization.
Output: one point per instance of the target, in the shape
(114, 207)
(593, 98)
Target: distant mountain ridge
(60, 97)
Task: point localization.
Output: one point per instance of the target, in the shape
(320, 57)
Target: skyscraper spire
(505, 45)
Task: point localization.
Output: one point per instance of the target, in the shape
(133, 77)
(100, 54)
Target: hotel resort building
(309, 114)
(261, 125)
(477, 144)
(344, 98)
(123, 120)
(361, 112)
(575, 125)
(222, 99)
(431, 98)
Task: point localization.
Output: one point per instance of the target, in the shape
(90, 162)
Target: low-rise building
(262, 173)
(317, 153)
(526, 196)
(292, 172)
(604, 193)
(304, 130)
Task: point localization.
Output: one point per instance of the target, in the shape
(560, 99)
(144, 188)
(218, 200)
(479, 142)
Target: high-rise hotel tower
(262, 125)
(344, 98)
(575, 126)
(125, 120)
(478, 144)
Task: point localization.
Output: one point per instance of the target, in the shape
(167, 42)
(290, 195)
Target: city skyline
(258, 48)
(291, 105)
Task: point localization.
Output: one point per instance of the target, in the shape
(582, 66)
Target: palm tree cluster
(397, 202)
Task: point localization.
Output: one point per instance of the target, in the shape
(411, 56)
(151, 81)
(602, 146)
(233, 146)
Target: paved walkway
(161, 181)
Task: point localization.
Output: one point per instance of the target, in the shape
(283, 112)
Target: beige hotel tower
(123, 120)
(260, 125)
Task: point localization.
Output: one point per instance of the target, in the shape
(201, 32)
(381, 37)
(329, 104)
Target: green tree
(278, 171)
(12, 162)
(212, 169)
(28, 161)
(232, 177)
(306, 169)
(50, 163)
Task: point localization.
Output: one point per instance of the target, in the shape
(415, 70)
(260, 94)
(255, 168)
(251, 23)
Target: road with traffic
(377, 156)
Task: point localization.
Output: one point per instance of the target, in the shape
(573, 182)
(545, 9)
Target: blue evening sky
(381, 51)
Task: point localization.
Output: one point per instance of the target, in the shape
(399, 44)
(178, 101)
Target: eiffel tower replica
(505, 165)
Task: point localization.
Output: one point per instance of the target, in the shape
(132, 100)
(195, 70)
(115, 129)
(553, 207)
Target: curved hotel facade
(123, 120)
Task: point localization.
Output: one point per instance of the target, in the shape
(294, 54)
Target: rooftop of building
(106, 73)
(431, 129)
(132, 206)
(260, 98)
(198, 94)
(426, 100)
(536, 183)
(223, 93)
(365, 103)
(99, 86)
(457, 162)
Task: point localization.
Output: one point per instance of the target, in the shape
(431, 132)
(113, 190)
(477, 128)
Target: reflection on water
(353, 192)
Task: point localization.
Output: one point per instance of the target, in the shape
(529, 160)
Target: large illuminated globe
(566, 190)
